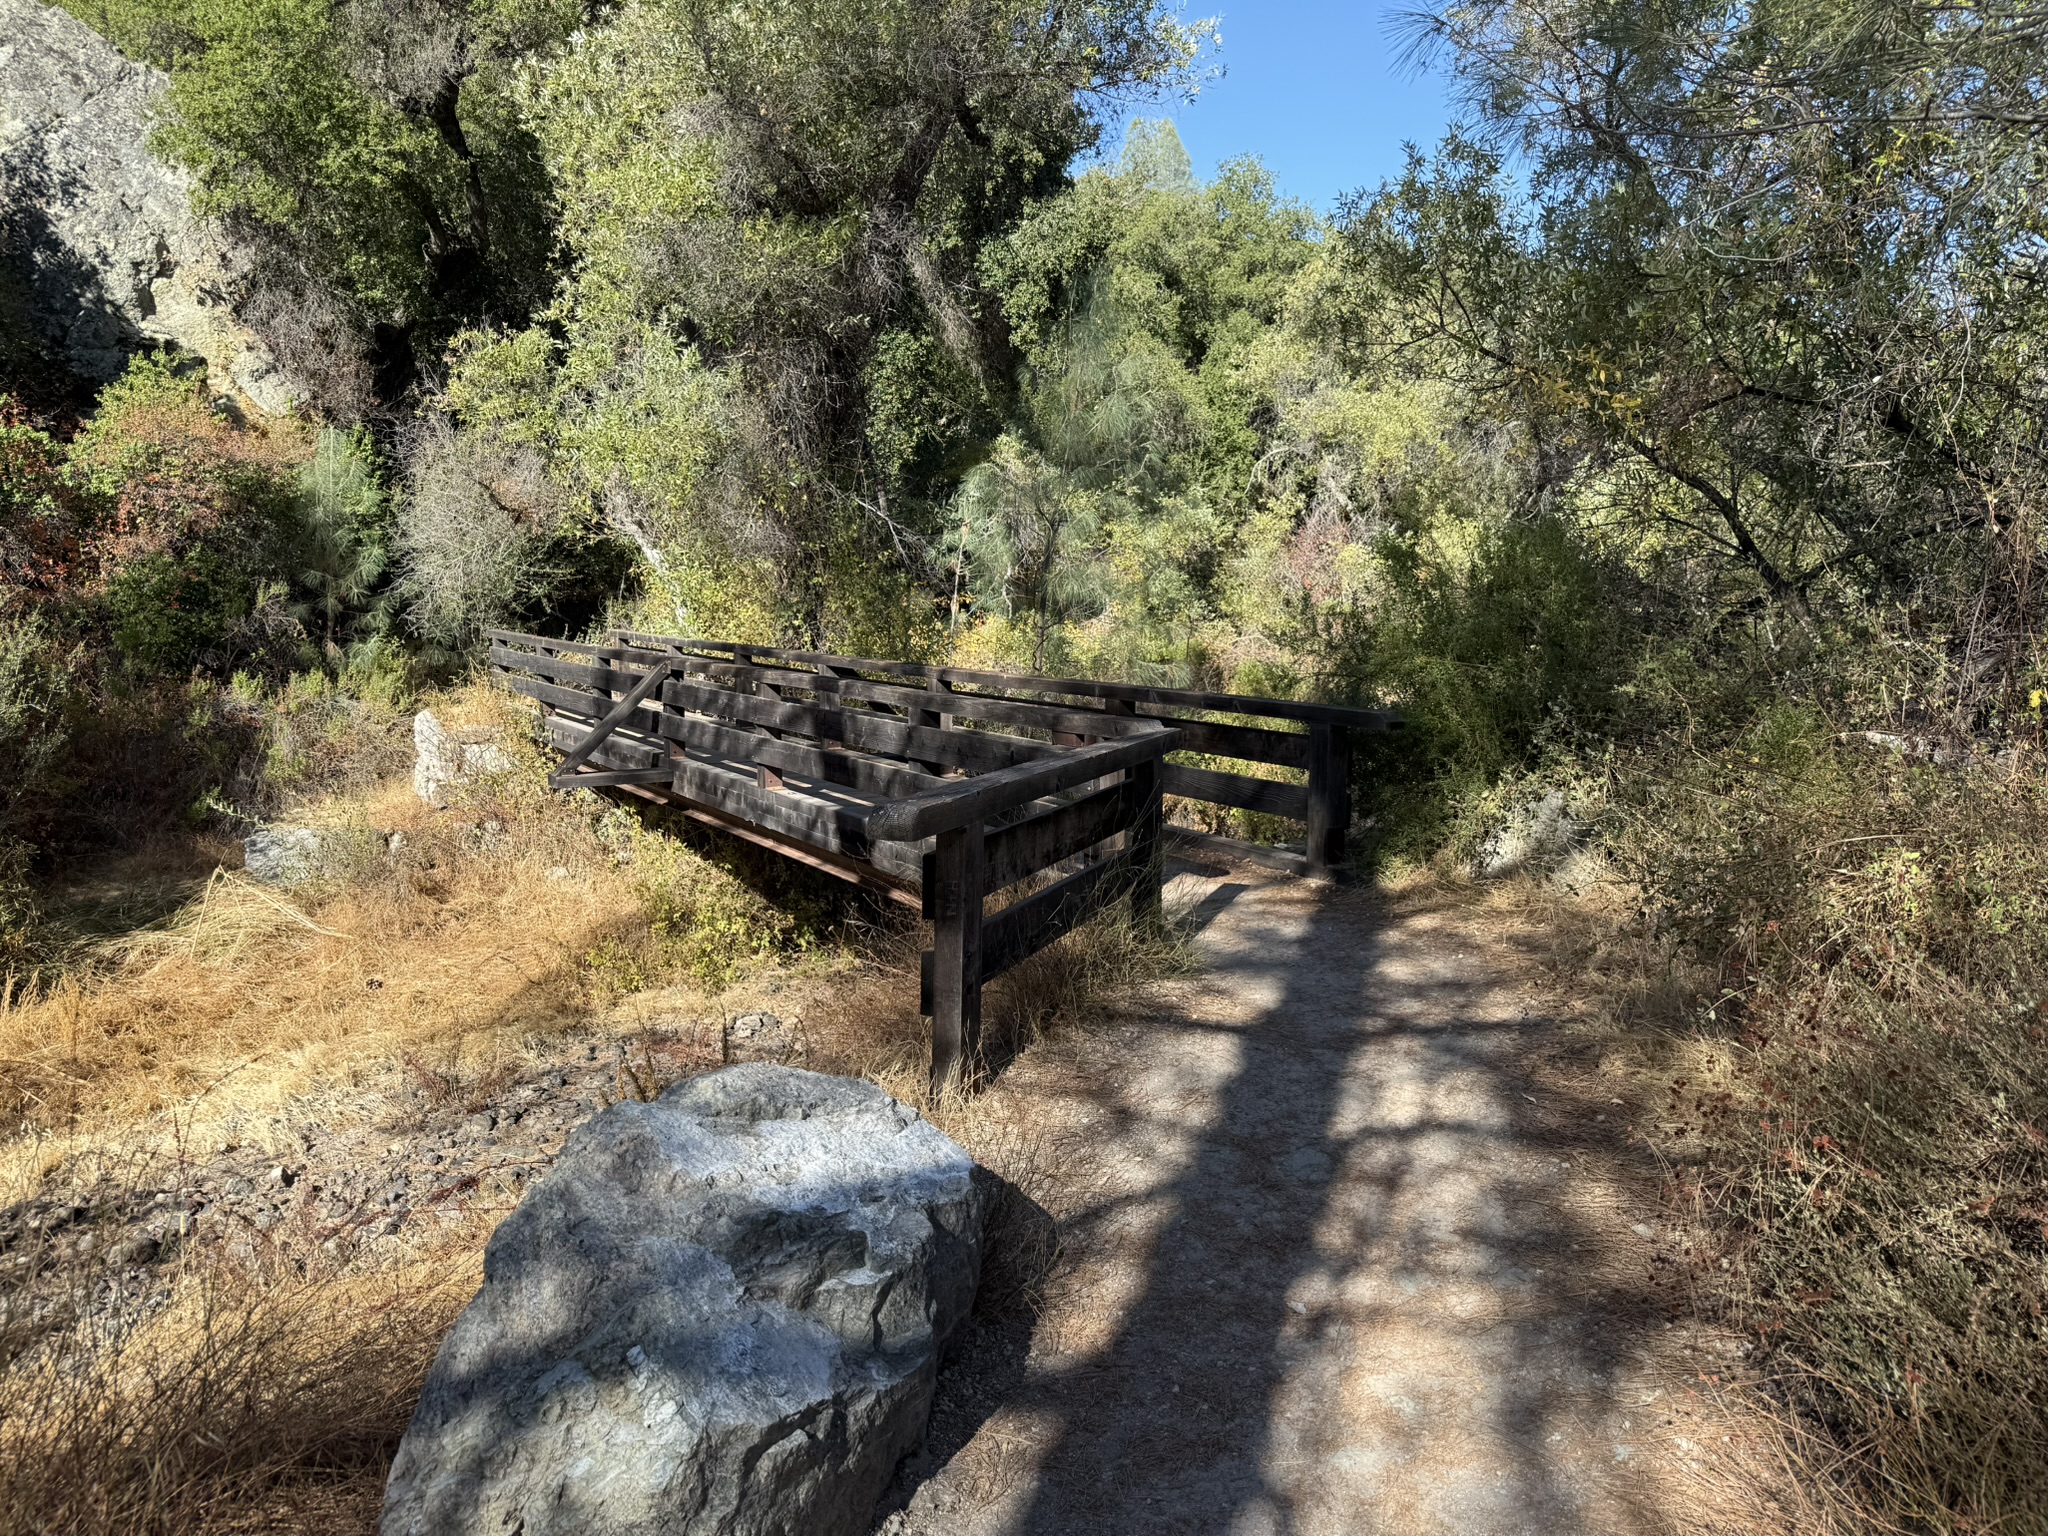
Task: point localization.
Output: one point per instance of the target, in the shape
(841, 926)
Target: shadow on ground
(1346, 1272)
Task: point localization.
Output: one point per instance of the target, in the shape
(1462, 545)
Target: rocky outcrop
(97, 239)
(721, 1311)
(446, 757)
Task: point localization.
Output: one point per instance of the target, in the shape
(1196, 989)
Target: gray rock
(283, 855)
(140, 1249)
(719, 1312)
(102, 254)
(1534, 838)
(760, 1037)
(480, 759)
(447, 757)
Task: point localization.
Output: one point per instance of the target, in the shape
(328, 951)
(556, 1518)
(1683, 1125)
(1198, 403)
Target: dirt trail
(1348, 1249)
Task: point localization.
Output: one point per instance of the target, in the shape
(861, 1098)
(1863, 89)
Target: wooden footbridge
(938, 786)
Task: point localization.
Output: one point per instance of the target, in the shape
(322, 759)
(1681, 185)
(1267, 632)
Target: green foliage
(38, 516)
(1774, 280)
(714, 912)
(1110, 524)
(1518, 647)
(771, 350)
(166, 611)
(188, 524)
(1035, 514)
(341, 551)
(38, 692)
(20, 913)
(373, 152)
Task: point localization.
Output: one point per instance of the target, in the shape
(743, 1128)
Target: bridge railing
(942, 787)
(1315, 740)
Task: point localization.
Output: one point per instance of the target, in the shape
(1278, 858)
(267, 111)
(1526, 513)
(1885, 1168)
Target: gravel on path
(1346, 1250)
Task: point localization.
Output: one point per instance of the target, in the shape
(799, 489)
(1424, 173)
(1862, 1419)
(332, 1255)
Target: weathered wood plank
(865, 730)
(581, 701)
(977, 798)
(860, 728)
(614, 717)
(799, 813)
(1038, 842)
(1196, 843)
(1183, 698)
(619, 751)
(638, 654)
(834, 765)
(1146, 846)
(1031, 713)
(590, 674)
(608, 779)
(853, 871)
(1025, 927)
(1284, 749)
(1237, 789)
(1021, 712)
(822, 823)
(1329, 797)
(955, 897)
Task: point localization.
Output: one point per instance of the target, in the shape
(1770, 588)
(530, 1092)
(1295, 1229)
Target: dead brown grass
(450, 939)
(260, 1396)
(1831, 1046)
(266, 1389)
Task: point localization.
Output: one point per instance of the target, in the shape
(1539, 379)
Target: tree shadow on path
(1362, 1305)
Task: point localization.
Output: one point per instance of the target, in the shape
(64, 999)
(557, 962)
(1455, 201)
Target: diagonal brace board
(566, 777)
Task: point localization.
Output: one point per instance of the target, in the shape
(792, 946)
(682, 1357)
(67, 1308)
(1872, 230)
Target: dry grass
(264, 1388)
(249, 998)
(256, 1399)
(1827, 992)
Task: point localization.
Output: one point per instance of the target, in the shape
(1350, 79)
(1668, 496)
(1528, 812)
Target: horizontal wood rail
(1313, 740)
(1135, 693)
(936, 786)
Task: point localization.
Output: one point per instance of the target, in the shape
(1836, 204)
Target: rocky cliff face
(100, 254)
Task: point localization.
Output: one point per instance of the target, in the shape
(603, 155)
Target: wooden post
(932, 719)
(1148, 842)
(1329, 797)
(956, 907)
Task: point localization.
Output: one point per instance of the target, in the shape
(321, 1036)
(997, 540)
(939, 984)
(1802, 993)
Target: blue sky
(1314, 89)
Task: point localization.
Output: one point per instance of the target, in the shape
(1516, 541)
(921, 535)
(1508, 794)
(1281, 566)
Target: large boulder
(100, 254)
(719, 1312)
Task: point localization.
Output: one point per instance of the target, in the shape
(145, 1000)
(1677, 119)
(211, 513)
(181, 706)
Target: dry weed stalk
(286, 1383)
(1836, 1046)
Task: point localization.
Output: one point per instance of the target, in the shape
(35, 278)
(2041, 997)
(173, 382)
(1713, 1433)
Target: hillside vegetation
(1667, 439)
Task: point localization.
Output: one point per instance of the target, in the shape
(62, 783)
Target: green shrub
(189, 522)
(166, 611)
(1496, 659)
(38, 675)
(716, 910)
